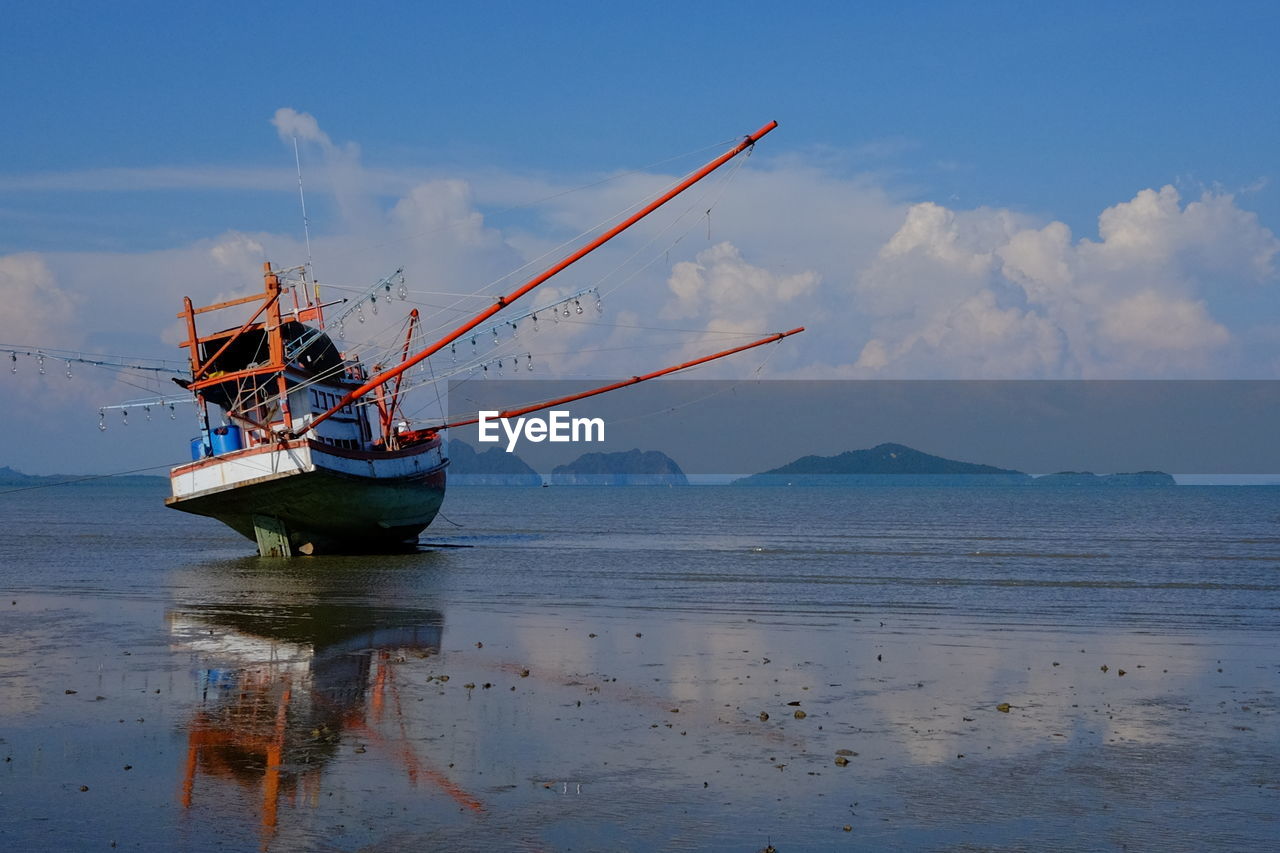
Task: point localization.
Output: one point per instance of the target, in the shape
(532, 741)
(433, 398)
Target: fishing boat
(303, 448)
(266, 466)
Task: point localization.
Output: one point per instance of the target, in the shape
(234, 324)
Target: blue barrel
(199, 448)
(227, 439)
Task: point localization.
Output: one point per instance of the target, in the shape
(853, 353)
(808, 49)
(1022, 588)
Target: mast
(504, 301)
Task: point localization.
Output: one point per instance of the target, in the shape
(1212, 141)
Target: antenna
(306, 223)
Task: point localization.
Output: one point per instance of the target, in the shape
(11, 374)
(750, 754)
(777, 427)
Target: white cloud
(975, 338)
(886, 289)
(1152, 322)
(290, 123)
(1211, 235)
(440, 237)
(40, 314)
(729, 294)
(985, 294)
(36, 309)
(238, 252)
(342, 167)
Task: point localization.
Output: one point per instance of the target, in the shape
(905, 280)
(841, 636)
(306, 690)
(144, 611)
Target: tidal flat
(640, 669)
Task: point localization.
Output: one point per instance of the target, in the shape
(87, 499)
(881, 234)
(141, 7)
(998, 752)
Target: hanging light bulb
(566, 309)
(124, 417)
(499, 364)
(13, 358)
(40, 363)
(453, 352)
(529, 356)
(147, 409)
(102, 420)
(495, 336)
(515, 331)
(577, 306)
(341, 330)
(402, 291)
(68, 369)
(535, 321)
(173, 415)
(373, 305)
(473, 344)
(359, 314)
(599, 303)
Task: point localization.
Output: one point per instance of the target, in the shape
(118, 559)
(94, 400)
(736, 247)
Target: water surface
(592, 668)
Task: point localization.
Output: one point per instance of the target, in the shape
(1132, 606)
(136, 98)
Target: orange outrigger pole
(603, 389)
(504, 301)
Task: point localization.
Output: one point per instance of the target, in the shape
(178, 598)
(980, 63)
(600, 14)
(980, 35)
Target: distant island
(13, 478)
(1089, 479)
(897, 464)
(881, 464)
(632, 468)
(494, 467)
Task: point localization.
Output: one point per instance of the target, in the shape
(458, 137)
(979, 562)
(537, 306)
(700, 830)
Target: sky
(994, 190)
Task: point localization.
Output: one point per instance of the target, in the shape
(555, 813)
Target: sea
(651, 668)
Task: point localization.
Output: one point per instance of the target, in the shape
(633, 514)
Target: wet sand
(659, 669)
(288, 721)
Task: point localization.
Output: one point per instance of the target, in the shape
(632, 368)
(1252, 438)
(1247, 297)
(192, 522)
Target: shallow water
(631, 639)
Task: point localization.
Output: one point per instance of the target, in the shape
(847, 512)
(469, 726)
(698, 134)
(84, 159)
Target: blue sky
(1058, 109)
(996, 190)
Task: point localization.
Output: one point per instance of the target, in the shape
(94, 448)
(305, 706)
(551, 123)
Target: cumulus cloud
(36, 309)
(237, 252)
(38, 313)
(291, 124)
(1166, 286)
(1210, 235)
(720, 287)
(1151, 322)
(441, 205)
(974, 338)
(441, 238)
(342, 167)
(986, 293)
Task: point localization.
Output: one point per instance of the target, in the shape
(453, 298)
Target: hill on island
(632, 468)
(1089, 479)
(494, 467)
(882, 464)
(899, 465)
(12, 478)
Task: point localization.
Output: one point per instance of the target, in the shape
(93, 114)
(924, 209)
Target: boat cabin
(274, 374)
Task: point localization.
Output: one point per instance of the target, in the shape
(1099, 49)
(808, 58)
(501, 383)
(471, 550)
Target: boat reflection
(283, 688)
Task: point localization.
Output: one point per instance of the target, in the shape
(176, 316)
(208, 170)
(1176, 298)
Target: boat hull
(304, 497)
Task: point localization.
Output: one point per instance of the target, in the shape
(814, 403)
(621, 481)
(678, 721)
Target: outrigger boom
(604, 389)
(503, 301)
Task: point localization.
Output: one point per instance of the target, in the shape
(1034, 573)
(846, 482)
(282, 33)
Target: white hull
(307, 497)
